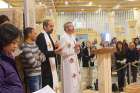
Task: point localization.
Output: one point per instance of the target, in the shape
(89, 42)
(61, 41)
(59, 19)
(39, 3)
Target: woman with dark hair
(120, 60)
(10, 81)
(3, 19)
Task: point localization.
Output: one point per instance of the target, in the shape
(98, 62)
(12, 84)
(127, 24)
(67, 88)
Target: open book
(46, 89)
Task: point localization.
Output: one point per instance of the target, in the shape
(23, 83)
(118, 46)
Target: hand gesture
(77, 48)
(58, 48)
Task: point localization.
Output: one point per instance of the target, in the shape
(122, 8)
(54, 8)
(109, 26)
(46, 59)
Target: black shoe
(89, 87)
(114, 87)
(120, 89)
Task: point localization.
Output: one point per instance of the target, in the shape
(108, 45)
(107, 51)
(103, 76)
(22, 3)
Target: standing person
(132, 57)
(4, 19)
(80, 55)
(125, 45)
(86, 59)
(83, 45)
(31, 59)
(120, 60)
(87, 55)
(104, 44)
(48, 46)
(10, 81)
(136, 41)
(70, 65)
(113, 42)
(94, 43)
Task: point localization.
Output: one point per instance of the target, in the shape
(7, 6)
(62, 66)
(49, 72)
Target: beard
(51, 31)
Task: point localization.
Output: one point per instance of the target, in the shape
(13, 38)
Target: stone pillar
(29, 13)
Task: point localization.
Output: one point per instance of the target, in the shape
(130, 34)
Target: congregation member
(87, 60)
(80, 55)
(31, 59)
(132, 57)
(4, 19)
(87, 55)
(136, 41)
(120, 61)
(125, 45)
(48, 47)
(70, 65)
(113, 42)
(10, 81)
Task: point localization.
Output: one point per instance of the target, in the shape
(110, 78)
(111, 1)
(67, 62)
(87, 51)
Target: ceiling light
(117, 6)
(135, 8)
(131, 0)
(100, 6)
(66, 2)
(40, 3)
(90, 3)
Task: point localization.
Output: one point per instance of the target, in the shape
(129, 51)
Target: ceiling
(93, 5)
(82, 5)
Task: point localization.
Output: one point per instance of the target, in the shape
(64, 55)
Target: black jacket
(132, 55)
(119, 55)
(86, 57)
(46, 68)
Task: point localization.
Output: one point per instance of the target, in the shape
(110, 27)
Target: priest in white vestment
(70, 65)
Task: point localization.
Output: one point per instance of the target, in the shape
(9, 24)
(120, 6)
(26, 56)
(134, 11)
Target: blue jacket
(9, 78)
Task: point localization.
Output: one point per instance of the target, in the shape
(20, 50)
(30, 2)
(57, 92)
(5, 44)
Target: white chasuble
(70, 65)
(52, 61)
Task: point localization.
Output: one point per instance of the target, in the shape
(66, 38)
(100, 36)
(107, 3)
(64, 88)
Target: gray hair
(66, 25)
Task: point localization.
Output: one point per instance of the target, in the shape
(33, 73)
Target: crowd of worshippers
(125, 59)
(36, 65)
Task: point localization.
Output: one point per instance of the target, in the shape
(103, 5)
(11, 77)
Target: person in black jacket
(48, 46)
(86, 59)
(120, 60)
(87, 55)
(80, 55)
(125, 45)
(132, 57)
